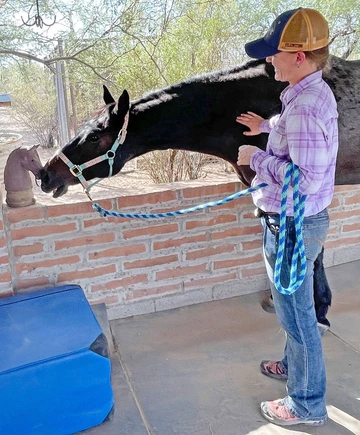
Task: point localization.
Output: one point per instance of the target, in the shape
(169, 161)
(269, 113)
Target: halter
(77, 170)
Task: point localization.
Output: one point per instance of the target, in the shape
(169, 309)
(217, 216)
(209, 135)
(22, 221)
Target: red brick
(333, 230)
(237, 262)
(108, 300)
(216, 220)
(341, 189)
(94, 272)
(249, 215)
(77, 209)
(342, 242)
(174, 243)
(353, 199)
(254, 271)
(161, 290)
(343, 215)
(151, 231)
(4, 259)
(150, 262)
(334, 203)
(210, 251)
(181, 271)
(5, 277)
(236, 232)
(148, 198)
(90, 239)
(44, 264)
(26, 283)
(253, 244)
(6, 294)
(89, 223)
(42, 231)
(351, 227)
(207, 282)
(118, 284)
(34, 213)
(118, 251)
(28, 249)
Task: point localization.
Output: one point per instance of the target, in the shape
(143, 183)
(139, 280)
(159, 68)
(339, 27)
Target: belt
(261, 213)
(274, 228)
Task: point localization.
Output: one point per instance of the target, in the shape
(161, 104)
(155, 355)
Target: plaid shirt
(306, 133)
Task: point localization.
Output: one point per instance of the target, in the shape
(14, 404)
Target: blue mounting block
(54, 364)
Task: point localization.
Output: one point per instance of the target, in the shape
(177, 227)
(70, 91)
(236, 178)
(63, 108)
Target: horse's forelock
(99, 122)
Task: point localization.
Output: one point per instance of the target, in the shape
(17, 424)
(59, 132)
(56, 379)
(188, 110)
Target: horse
(17, 180)
(199, 114)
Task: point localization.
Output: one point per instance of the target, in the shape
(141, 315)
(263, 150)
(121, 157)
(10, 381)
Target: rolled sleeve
(268, 124)
(271, 168)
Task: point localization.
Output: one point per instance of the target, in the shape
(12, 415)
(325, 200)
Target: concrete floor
(195, 370)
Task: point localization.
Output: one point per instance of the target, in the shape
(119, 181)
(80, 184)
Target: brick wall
(5, 271)
(141, 266)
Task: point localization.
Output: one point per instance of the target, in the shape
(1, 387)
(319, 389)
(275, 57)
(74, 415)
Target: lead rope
(105, 213)
(299, 207)
(296, 277)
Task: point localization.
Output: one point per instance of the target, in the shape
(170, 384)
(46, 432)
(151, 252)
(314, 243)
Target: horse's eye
(93, 137)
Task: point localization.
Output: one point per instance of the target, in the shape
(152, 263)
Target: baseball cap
(299, 29)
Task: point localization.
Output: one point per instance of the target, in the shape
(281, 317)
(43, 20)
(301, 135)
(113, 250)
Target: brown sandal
(273, 369)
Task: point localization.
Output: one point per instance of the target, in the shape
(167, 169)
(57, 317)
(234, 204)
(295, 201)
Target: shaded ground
(195, 370)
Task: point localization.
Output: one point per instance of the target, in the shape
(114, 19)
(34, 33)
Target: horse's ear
(108, 98)
(124, 102)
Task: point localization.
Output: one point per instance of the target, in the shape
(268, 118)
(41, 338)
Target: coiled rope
(299, 206)
(299, 256)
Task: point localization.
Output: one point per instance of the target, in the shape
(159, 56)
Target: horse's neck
(16, 178)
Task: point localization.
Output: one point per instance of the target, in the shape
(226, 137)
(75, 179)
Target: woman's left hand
(245, 153)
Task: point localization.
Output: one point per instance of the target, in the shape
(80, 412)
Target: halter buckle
(75, 170)
(110, 154)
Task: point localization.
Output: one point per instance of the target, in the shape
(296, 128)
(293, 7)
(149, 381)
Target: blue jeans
(303, 355)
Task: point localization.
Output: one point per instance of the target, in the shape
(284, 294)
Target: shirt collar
(290, 92)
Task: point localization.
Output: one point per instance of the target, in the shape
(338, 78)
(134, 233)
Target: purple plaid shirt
(305, 133)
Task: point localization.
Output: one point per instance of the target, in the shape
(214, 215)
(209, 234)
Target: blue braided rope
(105, 213)
(299, 256)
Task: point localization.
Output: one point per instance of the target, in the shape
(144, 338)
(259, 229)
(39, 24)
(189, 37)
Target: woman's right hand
(252, 121)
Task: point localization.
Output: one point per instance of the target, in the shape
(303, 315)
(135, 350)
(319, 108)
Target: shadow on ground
(195, 370)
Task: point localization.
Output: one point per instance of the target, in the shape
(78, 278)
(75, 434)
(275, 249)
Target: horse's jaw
(56, 191)
(59, 191)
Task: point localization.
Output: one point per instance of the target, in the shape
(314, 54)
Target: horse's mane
(248, 70)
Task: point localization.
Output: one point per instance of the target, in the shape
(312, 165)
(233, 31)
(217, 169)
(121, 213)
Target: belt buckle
(258, 213)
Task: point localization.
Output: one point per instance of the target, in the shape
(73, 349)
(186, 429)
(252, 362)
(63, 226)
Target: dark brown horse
(199, 115)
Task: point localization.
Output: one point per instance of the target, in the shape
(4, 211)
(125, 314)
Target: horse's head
(93, 152)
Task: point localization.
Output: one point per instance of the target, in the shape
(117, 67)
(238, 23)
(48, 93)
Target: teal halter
(77, 170)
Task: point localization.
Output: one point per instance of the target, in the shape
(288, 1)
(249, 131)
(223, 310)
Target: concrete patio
(195, 370)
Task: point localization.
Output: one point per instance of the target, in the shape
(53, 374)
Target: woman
(305, 133)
